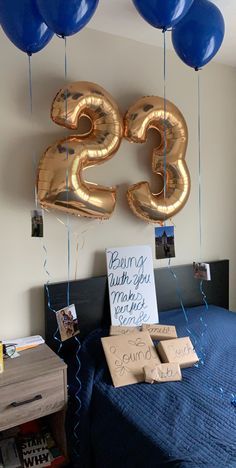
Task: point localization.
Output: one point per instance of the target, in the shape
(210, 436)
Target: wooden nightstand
(32, 386)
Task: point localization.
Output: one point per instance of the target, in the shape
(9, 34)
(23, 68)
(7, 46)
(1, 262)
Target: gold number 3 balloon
(60, 181)
(148, 112)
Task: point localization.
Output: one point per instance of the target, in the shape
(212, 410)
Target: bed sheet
(191, 423)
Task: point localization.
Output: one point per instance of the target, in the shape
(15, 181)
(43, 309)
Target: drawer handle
(15, 404)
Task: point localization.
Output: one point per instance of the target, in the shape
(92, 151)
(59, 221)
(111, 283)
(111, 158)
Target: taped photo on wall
(67, 322)
(164, 242)
(37, 223)
(202, 271)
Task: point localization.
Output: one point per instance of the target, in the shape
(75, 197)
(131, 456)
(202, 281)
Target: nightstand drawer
(32, 399)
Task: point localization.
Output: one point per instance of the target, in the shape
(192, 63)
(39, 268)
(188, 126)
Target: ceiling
(121, 18)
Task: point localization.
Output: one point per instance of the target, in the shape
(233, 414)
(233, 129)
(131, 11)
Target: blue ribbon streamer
(79, 386)
(223, 394)
(178, 291)
(36, 205)
(203, 295)
(78, 389)
(199, 164)
(45, 266)
(30, 86)
(203, 323)
(31, 119)
(67, 185)
(65, 70)
(165, 143)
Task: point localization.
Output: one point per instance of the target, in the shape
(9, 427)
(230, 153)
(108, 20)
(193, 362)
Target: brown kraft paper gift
(160, 332)
(179, 350)
(117, 330)
(169, 372)
(127, 355)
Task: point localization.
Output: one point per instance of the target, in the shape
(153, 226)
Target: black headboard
(91, 298)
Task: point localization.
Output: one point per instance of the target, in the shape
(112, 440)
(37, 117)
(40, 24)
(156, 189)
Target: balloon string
(164, 93)
(85, 231)
(77, 256)
(68, 264)
(78, 387)
(77, 236)
(202, 354)
(82, 234)
(45, 266)
(223, 394)
(204, 297)
(45, 262)
(30, 86)
(68, 228)
(178, 291)
(203, 323)
(67, 181)
(65, 70)
(31, 119)
(199, 166)
(65, 58)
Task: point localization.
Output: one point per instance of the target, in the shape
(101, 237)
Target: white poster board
(131, 286)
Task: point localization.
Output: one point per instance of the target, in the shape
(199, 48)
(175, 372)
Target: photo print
(67, 322)
(164, 242)
(37, 223)
(202, 271)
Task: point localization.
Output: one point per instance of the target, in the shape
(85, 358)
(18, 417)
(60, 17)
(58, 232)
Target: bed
(180, 424)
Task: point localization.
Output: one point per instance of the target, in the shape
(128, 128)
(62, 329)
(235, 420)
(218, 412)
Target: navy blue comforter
(179, 424)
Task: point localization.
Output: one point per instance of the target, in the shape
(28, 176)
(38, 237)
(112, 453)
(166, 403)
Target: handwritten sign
(131, 286)
(127, 355)
(179, 350)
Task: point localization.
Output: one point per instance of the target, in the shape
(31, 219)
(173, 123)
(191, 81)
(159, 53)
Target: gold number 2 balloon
(148, 112)
(60, 181)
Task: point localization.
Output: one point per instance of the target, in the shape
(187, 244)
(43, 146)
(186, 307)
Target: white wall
(128, 70)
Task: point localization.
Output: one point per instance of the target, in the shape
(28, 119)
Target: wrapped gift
(160, 332)
(179, 350)
(150, 374)
(117, 330)
(127, 355)
(169, 372)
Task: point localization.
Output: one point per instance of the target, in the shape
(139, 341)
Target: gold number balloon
(148, 112)
(60, 180)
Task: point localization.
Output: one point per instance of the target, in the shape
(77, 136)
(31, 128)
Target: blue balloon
(23, 25)
(163, 14)
(198, 37)
(67, 17)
